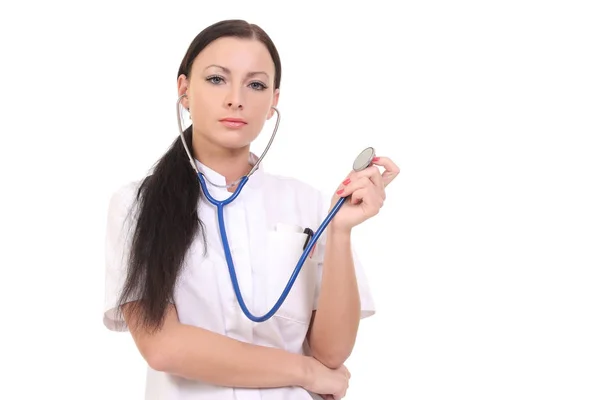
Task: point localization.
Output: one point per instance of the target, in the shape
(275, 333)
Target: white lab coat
(262, 226)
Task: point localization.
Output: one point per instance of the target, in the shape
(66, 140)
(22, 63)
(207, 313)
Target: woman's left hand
(366, 192)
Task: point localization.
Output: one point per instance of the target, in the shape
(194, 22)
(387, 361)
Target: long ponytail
(167, 223)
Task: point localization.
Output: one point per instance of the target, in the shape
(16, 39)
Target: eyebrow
(228, 71)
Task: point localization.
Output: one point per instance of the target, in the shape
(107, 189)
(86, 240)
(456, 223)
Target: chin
(233, 143)
(234, 139)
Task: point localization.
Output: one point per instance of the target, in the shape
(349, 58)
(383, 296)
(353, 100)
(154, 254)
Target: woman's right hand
(329, 383)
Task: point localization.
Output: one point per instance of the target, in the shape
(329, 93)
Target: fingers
(370, 179)
(373, 174)
(342, 393)
(391, 169)
(373, 203)
(363, 189)
(357, 180)
(350, 186)
(346, 371)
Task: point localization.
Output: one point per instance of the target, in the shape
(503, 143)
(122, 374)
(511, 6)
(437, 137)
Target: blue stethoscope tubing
(220, 204)
(361, 162)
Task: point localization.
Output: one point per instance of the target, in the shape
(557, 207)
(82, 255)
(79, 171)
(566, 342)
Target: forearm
(199, 354)
(336, 320)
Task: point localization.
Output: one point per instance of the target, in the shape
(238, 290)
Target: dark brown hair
(167, 220)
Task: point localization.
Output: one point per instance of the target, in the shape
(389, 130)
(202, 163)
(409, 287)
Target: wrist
(342, 232)
(305, 372)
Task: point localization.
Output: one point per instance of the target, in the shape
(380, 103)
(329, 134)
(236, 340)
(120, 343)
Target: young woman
(167, 277)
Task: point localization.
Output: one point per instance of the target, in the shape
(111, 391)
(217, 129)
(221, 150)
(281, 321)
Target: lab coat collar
(213, 176)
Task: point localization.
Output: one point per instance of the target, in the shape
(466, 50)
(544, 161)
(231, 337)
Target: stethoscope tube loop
(362, 161)
(295, 273)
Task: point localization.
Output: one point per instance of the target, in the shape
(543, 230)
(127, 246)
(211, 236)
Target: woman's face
(230, 92)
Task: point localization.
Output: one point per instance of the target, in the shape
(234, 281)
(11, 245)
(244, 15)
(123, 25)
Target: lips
(233, 122)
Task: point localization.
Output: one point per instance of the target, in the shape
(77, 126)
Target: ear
(182, 88)
(274, 104)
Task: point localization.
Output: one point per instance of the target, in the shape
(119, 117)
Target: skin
(243, 90)
(234, 78)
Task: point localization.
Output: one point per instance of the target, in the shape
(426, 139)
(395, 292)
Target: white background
(484, 261)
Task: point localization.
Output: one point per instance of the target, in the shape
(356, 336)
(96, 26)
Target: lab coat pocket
(285, 249)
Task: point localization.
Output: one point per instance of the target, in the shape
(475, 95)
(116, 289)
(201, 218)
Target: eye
(258, 85)
(215, 79)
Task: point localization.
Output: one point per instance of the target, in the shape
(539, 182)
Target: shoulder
(122, 200)
(124, 193)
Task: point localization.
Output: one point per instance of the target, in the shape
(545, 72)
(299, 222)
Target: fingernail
(340, 191)
(347, 181)
(375, 158)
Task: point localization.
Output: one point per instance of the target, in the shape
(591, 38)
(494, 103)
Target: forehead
(237, 55)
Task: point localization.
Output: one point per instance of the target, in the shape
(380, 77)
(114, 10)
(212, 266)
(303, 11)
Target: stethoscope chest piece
(364, 159)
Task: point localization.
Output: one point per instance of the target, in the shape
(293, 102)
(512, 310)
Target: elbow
(156, 346)
(158, 356)
(332, 359)
(158, 360)
(332, 353)
(334, 362)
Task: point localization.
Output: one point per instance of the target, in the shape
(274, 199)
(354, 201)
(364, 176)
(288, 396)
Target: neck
(231, 163)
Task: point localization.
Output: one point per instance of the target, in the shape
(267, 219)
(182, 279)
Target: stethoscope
(361, 162)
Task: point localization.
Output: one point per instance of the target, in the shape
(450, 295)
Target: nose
(234, 99)
(234, 105)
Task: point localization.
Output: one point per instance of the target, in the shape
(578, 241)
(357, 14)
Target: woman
(167, 279)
